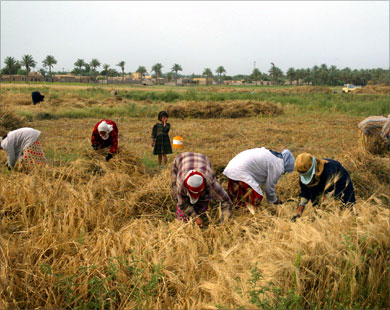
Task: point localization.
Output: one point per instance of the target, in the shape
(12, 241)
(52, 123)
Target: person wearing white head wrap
(23, 144)
(255, 167)
(104, 130)
(105, 134)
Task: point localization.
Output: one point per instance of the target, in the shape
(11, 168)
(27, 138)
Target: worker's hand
(294, 218)
(153, 143)
(109, 156)
(199, 222)
(300, 210)
(95, 147)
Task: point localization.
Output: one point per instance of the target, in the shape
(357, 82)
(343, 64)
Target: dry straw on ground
(308, 90)
(90, 234)
(226, 109)
(304, 89)
(382, 89)
(96, 233)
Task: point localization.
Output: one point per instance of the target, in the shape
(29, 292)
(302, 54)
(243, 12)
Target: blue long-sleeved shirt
(334, 178)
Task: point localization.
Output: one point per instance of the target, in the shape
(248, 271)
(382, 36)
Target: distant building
(203, 81)
(186, 82)
(32, 77)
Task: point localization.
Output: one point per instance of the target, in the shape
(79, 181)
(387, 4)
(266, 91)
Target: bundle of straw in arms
(375, 134)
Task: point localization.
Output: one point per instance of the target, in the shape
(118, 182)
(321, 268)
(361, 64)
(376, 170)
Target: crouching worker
(23, 144)
(322, 177)
(105, 134)
(37, 97)
(251, 168)
(193, 185)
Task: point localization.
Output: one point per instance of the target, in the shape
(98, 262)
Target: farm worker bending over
(23, 144)
(322, 177)
(251, 168)
(105, 133)
(193, 183)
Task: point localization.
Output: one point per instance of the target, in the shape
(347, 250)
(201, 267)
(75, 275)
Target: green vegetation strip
(128, 110)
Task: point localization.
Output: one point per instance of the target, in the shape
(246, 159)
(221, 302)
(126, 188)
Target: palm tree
(315, 72)
(10, 64)
(208, 73)
(122, 66)
(291, 74)
(299, 73)
(157, 69)
(49, 61)
(256, 75)
(28, 62)
(94, 64)
(276, 74)
(346, 75)
(324, 74)
(141, 70)
(176, 68)
(80, 63)
(333, 72)
(220, 70)
(105, 68)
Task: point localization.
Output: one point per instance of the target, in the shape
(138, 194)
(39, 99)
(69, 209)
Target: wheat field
(83, 233)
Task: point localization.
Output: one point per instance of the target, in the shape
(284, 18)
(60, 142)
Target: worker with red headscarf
(193, 186)
(105, 134)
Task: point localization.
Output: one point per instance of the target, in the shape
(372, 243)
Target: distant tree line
(317, 75)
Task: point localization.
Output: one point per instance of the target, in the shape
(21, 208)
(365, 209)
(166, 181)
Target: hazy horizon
(197, 35)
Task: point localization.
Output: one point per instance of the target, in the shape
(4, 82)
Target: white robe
(254, 167)
(17, 141)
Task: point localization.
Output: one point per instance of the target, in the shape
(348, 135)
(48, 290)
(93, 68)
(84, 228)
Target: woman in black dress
(160, 138)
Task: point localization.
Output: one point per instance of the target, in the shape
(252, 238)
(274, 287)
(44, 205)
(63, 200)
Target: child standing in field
(160, 138)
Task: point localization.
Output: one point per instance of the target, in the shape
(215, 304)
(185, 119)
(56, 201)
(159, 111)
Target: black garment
(277, 154)
(162, 144)
(37, 97)
(339, 181)
(104, 144)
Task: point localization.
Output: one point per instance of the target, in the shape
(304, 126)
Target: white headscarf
(103, 126)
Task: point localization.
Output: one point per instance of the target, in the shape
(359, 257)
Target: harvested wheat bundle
(375, 134)
(10, 121)
(373, 143)
(381, 89)
(370, 173)
(153, 198)
(93, 162)
(227, 109)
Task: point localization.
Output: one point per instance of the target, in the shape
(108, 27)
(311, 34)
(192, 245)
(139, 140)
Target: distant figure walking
(23, 144)
(252, 168)
(105, 134)
(37, 97)
(322, 177)
(193, 185)
(160, 138)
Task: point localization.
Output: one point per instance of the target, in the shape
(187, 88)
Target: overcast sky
(199, 34)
